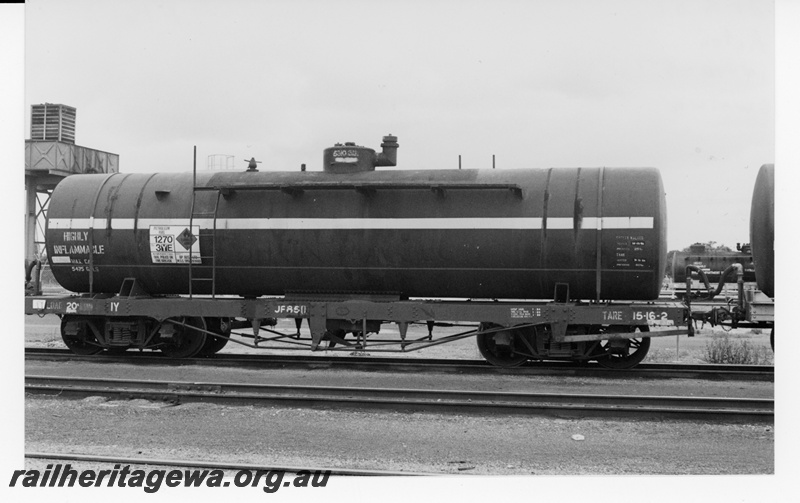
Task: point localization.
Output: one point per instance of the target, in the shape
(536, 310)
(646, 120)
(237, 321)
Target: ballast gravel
(415, 442)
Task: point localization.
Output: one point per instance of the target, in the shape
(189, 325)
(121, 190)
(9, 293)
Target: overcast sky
(684, 86)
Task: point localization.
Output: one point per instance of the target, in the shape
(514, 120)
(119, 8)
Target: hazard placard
(174, 244)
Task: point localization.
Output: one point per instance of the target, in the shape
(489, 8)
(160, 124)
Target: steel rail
(442, 401)
(646, 370)
(216, 465)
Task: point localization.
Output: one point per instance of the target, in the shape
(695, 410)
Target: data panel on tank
(631, 252)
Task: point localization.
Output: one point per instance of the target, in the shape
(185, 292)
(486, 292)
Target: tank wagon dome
(596, 233)
(351, 158)
(762, 229)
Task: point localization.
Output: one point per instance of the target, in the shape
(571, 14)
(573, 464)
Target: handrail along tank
(762, 229)
(506, 234)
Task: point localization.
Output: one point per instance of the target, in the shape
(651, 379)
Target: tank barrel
(425, 233)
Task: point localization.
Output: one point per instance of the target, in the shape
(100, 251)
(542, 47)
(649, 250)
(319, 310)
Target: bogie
(624, 353)
(505, 347)
(212, 345)
(182, 338)
(80, 336)
(512, 346)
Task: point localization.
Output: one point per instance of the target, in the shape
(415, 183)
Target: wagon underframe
(363, 315)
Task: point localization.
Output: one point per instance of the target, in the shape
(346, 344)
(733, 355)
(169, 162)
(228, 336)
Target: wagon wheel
(504, 348)
(185, 342)
(80, 339)
(635, 351)
(221, 326)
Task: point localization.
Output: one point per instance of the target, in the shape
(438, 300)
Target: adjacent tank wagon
(712, 262)
(762, 228)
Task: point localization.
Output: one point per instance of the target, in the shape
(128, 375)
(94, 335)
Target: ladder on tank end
(208, 236)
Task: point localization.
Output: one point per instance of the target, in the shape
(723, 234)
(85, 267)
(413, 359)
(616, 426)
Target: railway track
(652, 370)
(186, 463)
(411, 400)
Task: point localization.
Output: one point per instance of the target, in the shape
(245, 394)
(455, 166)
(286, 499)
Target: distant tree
(710, 246)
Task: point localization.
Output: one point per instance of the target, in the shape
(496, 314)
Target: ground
(419, 442)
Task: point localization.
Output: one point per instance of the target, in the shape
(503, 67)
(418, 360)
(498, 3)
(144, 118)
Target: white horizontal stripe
(627, 222)
(386, 223)
(590, 223)
(68, 223)
(560, 223)
(359, 223)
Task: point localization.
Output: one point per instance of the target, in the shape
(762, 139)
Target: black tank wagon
(760, 303)
(712, 262)
(762, 228)
(563, 263)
